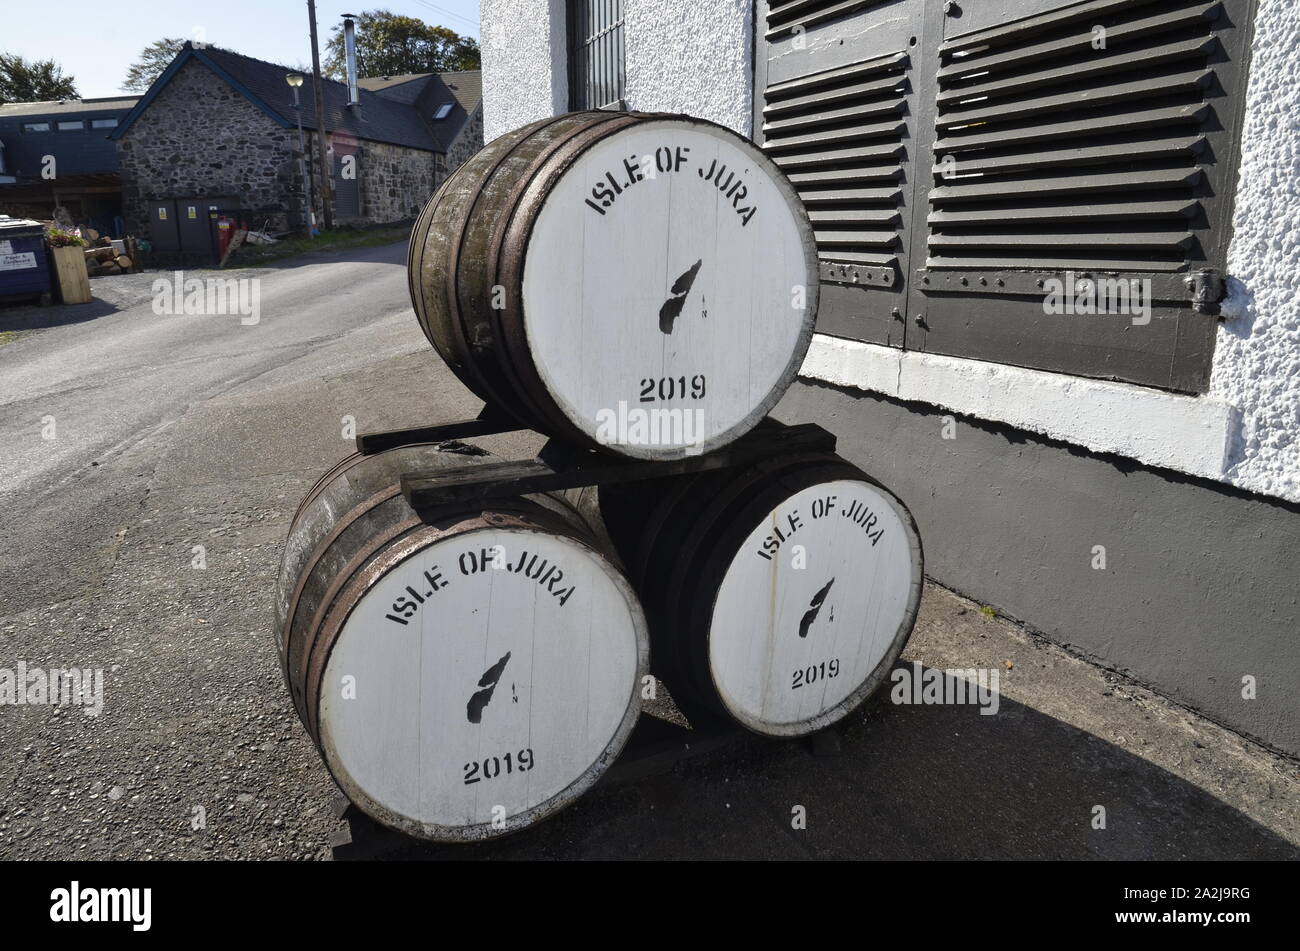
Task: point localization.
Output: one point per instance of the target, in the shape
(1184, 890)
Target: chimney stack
(350, 54)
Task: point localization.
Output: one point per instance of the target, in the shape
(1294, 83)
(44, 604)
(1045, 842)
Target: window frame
(596, 56)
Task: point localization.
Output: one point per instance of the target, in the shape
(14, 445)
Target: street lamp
(295, 80)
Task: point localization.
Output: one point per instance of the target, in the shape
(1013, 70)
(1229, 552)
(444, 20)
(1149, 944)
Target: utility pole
(326, 173)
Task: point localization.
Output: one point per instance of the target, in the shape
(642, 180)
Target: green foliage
(389, 44)
(33, 81)
(59, 238)
(154, 58)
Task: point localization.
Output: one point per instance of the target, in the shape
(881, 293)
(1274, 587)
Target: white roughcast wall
(696, 58)
(524, 73)
(1257, 355)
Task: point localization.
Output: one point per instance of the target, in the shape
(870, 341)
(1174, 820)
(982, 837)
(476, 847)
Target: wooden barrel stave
(450, 294)
(348, 483)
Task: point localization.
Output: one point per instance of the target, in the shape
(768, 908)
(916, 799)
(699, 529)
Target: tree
(153, 60)
(392, 45)
(34, 81)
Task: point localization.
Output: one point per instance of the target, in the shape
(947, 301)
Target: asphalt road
(111, 381)
(144, 539)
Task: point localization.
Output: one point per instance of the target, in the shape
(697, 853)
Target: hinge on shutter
(1206, 290)
(866, 275)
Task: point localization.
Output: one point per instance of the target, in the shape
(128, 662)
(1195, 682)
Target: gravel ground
(209, 438)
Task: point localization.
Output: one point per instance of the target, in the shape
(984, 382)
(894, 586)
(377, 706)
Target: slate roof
(64, 106)
(405, 89)
(425, 92)
(381, 117)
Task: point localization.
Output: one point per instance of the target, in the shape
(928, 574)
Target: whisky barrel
(778, 596)
(643, 283)
(466, 671)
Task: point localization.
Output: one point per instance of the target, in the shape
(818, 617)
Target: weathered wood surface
(73, 278)
(646, 284)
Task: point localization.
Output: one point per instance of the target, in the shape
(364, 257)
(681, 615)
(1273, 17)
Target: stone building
(221, 130)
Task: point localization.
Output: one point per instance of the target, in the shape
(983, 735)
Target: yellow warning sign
(193, 213)
(162, 214)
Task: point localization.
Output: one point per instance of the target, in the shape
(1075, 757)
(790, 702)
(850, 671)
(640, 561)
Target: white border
(1188, 433)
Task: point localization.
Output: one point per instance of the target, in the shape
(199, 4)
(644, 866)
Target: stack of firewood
(107, 256)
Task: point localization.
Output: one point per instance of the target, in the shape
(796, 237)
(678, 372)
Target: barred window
(595, 53)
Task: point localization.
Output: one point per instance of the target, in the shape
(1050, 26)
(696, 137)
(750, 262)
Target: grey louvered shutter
(1094, 138)
(834, 108)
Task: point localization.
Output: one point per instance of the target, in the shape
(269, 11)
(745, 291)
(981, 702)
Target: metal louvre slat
(836, 136)
(1076, 72)
(783, 17)
(1114, 211)
(829, 97)
(838, 156)
(1081, 41)
(849, 176)
(852, 218)
(870, 239)
(1096, 96)
(863, 257)
(1124, 122)
(801, 85)
(1067, 184)
(862, 110)
(845, 195)
(1019, 32)
(1043, 260)
(1081, 155)
(1164, 241)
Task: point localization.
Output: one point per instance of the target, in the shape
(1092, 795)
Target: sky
(95, 42)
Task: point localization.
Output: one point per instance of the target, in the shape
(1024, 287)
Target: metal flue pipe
(350, 54)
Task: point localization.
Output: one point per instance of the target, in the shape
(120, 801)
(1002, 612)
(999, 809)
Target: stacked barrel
(779, 596)
(644, 285)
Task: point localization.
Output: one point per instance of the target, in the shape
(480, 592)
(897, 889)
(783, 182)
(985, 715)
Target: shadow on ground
(909, 782)
(34, 317)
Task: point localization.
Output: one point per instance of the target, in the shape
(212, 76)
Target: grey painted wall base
(1201, 584)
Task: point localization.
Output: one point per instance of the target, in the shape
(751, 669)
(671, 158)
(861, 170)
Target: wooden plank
(373, 442)
(74, 280)
(578, 468)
